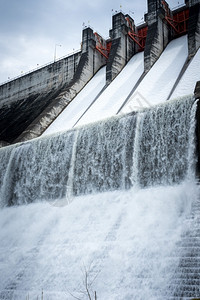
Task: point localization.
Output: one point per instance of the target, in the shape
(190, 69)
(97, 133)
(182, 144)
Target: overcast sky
(30, 29)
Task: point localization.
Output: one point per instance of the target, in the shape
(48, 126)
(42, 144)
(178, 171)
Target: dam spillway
(146, 148)
(123, 214)
(99, 166)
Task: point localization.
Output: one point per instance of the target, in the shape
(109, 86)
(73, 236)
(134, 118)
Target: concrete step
(184, 274)
(186, 282)
(189, 243)
(184, 252)
(191, 262)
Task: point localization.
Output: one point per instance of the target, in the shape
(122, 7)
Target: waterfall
(36, 170)
(165, 143)
(141, 149)
(134, 224)
(104, 155)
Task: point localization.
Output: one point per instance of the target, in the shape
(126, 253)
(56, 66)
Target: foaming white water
(126, 239)
(147, 148)
(165, 143)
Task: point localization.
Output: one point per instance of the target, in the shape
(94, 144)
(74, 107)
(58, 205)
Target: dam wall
(26, 97)
(30, 103)
(41, 80)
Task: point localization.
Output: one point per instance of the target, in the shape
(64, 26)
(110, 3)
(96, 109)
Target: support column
(158, 34)
(197, 96)
(194, 27)
(197, 90)
(122, 48)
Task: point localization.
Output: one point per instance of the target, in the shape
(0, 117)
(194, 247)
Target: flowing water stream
(117, 196)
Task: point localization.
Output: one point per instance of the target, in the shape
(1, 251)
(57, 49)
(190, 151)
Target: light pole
(56, 45)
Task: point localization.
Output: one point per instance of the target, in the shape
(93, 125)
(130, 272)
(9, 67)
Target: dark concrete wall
(194, 27)
(41, 80)
(158, 34)
(197, 90)
(197, 96)
(193, 2)
(122, 49)
(30, 103)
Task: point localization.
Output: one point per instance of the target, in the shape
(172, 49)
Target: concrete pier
(122, 48)
(158, 34)
(194, 27)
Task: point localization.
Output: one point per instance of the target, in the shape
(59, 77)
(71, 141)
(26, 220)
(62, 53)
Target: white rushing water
(76, 108)
(156, 86)
(110, 101)
(126, 239)
(131, 179)
(188, 81)
(99, 157)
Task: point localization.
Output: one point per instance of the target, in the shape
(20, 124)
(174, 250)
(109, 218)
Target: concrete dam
(99, 181)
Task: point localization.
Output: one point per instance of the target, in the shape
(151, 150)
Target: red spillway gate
(138, 37)
(102, 46)
(178, 21)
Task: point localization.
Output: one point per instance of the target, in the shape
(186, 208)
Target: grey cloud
(25, 23)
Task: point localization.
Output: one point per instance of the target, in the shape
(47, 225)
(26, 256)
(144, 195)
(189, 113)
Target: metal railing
(40, 67)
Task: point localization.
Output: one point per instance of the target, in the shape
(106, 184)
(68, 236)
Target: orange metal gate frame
(179, 21)
(99, 46)
(140, 37)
